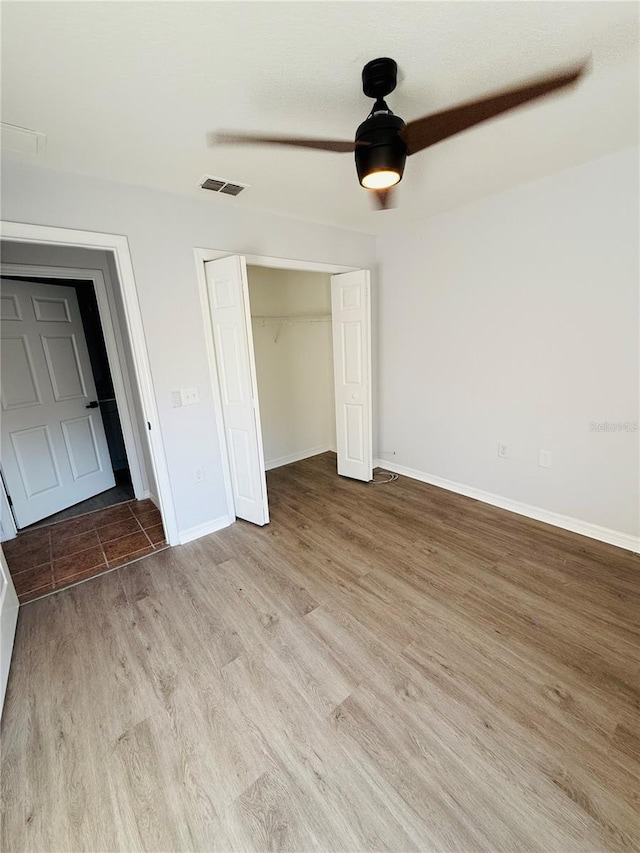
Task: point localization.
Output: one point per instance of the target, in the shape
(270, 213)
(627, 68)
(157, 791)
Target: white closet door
(351, 314)
(54, 450)
(228, 291)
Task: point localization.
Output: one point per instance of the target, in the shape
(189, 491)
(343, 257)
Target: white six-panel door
(351, 315)
(54, 451)
(228, 293)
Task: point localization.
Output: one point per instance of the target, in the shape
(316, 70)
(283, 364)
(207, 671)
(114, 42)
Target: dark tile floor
(60, 554)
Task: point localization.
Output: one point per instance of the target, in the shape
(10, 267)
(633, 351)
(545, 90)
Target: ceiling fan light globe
(381, 179)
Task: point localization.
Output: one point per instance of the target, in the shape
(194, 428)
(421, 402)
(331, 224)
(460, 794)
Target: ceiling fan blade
(382, 199)
(297, 141)
(426, 131)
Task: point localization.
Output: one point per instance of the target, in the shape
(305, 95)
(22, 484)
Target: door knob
(92, 405)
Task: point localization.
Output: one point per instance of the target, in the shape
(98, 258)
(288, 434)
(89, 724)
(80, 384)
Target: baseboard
(199, 530)
(296, 457)
(154, 500)
(575, 525)
(7, 537)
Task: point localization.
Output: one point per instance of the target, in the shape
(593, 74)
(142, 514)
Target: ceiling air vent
(22, 140)
(219, 185)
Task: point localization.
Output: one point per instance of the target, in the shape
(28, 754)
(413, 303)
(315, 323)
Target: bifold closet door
(228, 292)
(351, 315)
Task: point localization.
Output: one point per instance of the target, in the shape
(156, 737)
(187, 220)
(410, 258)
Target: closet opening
(293, 349)
(289, 347)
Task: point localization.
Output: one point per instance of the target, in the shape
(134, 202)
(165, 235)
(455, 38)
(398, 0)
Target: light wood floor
(384, 667)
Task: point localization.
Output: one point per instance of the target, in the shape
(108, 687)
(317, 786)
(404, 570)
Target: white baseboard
(199, 530)
(151, 497)
(575, 525)
(296, 457)
(5, 537)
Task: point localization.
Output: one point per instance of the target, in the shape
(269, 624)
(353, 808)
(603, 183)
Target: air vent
(22, 140)
(219, 185)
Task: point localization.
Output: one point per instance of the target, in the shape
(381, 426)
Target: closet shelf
(292, 318)
(289, 319)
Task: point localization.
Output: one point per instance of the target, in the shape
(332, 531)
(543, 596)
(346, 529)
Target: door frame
(133, 329)
(201, 257)
(8, 619)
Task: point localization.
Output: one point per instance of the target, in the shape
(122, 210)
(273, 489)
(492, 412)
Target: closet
(280, 339)
(293, 347)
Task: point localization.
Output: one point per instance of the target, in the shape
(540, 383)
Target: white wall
(162, 230)
(295, 372)
(515, 319)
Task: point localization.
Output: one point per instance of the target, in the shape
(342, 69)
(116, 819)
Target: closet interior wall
(292, 338)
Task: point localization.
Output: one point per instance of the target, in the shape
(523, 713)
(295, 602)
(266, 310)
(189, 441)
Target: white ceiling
(128, 91)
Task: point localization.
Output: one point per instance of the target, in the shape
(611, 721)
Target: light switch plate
(189, 396)
(176, 399)
(544, 459)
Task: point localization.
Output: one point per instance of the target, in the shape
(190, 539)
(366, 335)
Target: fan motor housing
(384, 149)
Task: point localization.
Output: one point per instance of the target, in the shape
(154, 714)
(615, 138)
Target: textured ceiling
(128, 91)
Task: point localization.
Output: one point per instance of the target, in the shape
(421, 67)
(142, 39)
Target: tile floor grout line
(30, 569)
(101, 543)
(147, 536)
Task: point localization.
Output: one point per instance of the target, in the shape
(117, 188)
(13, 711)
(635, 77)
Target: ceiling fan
(383, 140)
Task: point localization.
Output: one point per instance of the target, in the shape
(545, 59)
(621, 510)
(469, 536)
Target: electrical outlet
(176, 399)
(198, 475)
(544, 459)
(189, 396)
(503, 450)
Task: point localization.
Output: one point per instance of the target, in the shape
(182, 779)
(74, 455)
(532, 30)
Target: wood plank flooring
(384, 667)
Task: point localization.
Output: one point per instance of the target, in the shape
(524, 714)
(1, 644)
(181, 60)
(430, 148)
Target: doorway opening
(79, 493)
(293, 346)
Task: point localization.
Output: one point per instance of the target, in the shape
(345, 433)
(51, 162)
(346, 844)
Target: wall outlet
(176, 399)
(189, 396)
(198, 475)
(544, 459)
(503, 450)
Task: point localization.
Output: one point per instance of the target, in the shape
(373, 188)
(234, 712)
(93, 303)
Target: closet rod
(292, 318)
